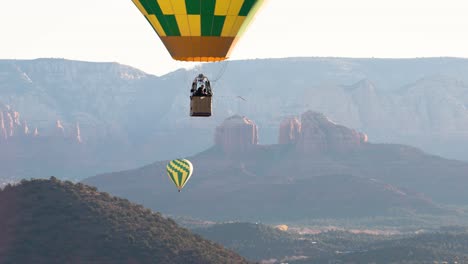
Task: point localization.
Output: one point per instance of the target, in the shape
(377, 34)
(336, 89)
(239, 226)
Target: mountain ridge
(281, 182)
(121, 110)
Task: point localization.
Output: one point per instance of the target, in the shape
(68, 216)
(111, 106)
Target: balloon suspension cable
(221, 72)
(189, 71)
(186, 78)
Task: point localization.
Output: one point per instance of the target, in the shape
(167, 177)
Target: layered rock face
(290, 130)
(75, 119)
(236, 134)
(316, 133)
(13, 127)
(27, 150)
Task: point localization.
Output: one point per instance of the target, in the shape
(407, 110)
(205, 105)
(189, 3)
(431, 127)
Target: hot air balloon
(199, 30)
(179, 172)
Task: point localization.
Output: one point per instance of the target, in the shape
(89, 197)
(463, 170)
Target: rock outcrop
(13, 127)
(290, 130)
(236, 134)
(316, 133)
(10, 124)
(71, 118)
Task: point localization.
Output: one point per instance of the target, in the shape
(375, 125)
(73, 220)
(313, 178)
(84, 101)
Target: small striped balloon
(179, 172)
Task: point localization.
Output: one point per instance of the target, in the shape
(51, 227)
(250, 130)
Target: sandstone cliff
(236, 134)
(316, 133)
(290, 130)
(13, 127)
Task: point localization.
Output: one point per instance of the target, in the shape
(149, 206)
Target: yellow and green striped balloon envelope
(179, 172)
(199, 30)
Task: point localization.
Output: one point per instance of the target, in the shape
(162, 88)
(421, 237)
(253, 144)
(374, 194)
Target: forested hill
(49, 221)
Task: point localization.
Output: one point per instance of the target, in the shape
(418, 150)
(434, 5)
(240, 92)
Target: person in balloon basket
(203, 84)
(201, 91)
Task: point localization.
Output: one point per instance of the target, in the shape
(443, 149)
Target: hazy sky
(114, 30)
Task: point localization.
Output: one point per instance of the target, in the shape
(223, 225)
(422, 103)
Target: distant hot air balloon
(179, 172)
(199, 30)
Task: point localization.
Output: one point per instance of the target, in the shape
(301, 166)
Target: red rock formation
(59, 129)
(3, 131)
(236, 134)
(12, 127)
(320, 134)
(315, 133)
(290, 131)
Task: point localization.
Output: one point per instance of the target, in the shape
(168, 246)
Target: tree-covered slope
(49, 221)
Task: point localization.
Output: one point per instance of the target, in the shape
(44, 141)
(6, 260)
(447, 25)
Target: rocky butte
(236, 134)
(314, 133)
(290, 130)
